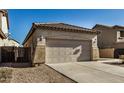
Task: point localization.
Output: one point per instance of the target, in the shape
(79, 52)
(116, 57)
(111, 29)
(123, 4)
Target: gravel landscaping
(41, 74)
(5, 75)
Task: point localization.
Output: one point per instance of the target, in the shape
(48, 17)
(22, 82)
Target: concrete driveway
(90, 72)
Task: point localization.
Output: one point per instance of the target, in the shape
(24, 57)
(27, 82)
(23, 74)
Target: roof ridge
(75, 26)
(47, 23)
(118, 26)
(107, 26)
(63, 24)
(104, 25)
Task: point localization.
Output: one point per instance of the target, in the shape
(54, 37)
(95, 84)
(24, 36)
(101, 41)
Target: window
(121, 33)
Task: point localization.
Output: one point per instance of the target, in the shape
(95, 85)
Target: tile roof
(113, 27)
(60, 27)
(3, 10)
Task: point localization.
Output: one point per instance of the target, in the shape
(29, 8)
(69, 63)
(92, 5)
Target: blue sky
(21, 20)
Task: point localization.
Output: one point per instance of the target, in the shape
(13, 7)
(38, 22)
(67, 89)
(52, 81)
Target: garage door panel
(67, 50)
(67, 59)
(48, 60)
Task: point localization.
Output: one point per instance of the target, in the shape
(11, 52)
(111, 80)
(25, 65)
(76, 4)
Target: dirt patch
(41, 74)
(5, 75)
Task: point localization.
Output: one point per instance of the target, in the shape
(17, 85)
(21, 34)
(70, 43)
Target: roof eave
(29, 33)
(55, 28)
(67, 29)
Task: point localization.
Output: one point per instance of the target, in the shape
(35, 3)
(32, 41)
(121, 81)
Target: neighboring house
(9, 42)
(111, 37)
(4, 33)
(60, 42)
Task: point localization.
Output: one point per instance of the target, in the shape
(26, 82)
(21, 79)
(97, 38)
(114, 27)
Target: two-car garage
(61, 50)
(60, 42)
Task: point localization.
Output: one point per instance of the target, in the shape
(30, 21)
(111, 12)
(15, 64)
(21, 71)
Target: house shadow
(78, 52)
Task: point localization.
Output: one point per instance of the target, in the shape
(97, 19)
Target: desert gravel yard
(41, 74)
(5, 74)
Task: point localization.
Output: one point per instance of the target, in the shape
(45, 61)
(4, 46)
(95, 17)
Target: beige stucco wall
(50, 34)
(119, 45)
(106, 53)
(0, 20)
(32, 42)
(6, 42)
(4, 23)
(72, 36)
(95, 53)
(65, 35)
(60, 34)
(39, 55)
(29, 41)
(107, 37)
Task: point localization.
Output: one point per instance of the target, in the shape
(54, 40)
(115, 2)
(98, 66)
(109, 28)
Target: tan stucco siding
(6, 42)
(94, 53)
(119, 45)
(31, 40)
(36, 40)
(0, 20)
(60, 34)
(107, 38)
(28, 42)
(107, 53)
(67, 35)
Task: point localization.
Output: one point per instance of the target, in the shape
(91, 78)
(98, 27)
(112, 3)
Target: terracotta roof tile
(106, 26)
(60, 27)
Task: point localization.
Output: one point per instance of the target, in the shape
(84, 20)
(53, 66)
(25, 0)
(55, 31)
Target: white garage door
(67, 50)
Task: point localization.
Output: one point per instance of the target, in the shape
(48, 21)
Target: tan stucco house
(111, 39)
(4, 33)
(60, 42)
